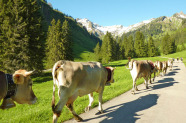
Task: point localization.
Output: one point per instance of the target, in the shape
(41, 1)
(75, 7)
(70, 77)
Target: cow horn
(28, 73)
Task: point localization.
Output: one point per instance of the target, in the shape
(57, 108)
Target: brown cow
(140, 69)
(78, 79)
(181, 59)
(170, 63)
(16, 88)
(158, 65)
(164, 67)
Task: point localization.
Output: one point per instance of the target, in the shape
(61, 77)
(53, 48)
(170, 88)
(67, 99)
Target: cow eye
(30, 84)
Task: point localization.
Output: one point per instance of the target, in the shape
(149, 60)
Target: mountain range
(86, 34)
(165, 23)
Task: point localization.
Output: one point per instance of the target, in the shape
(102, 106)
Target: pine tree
(172, 46)
(59, 43)
(114, 49)
(151, 47)
(131, 52)
(36, 35)
(139, 44)
(54, 45)
(106, 49)
(121, 49)
(168, 45)
(67, 41)
(97, 52)
(126, 43)
(21, 35)
(13, 36)
(3, 7)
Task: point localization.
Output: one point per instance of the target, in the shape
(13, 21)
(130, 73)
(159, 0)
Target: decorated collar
(152, 65)
(11, 86)
(109, 74)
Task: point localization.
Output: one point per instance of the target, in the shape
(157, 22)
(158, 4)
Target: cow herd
(75, 79)
(145, 69)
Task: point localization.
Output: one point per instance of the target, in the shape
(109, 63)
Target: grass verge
(41, 112)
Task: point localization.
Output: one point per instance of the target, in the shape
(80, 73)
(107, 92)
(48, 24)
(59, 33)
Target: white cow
(140, 69)
(78, 79)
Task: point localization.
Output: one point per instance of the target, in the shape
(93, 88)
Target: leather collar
(109, 74)
(11, 86)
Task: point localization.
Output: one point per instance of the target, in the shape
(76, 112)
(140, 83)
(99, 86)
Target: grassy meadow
(41, 112)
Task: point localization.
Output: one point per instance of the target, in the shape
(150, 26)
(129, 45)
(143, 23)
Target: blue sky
(118, 12)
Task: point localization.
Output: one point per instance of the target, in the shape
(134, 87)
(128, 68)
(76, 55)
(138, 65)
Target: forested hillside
(83, 41)
(162, 26)
(24, 29)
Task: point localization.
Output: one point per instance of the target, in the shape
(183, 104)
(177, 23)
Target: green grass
(41, 112)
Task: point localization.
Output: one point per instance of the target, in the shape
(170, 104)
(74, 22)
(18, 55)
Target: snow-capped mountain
(118, 30)
(180, 15)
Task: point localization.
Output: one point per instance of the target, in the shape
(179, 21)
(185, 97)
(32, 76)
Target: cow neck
(152, 65)
(109, 74)
(11, 86)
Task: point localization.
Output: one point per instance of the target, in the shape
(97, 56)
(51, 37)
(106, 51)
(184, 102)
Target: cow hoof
(147, 87)
(87, 108)
(132, 92)
(99, 112)
(78, 119)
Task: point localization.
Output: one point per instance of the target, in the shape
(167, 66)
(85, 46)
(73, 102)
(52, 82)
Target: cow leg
(154, 76)
(77, 117)
(58, 108)
(100, 109)
(63, 98)
(70, 107)
(146, 82)
(150, 80)
(134, 86)
(91, 99)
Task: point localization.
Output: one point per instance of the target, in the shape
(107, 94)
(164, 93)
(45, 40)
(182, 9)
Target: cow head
(110, 78)
(131, 64)
(24, 92)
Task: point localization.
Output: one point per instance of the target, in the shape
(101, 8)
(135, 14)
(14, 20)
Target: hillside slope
(161, 26)
(83, 40)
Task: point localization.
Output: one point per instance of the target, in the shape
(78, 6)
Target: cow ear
(28, 73)
(18, 78)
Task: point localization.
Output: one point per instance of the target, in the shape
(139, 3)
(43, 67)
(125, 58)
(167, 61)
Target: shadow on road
(127, 112)
(166, 82)
(172, 73)
(177, 69)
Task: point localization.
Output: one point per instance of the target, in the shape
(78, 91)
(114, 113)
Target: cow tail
(54, 74)
(54, 86)
(53, 99)
(56, 66)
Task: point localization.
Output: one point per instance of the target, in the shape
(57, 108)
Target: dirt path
(164, 102)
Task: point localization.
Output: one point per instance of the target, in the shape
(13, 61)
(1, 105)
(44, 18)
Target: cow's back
(3, 85)
(143, 68)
